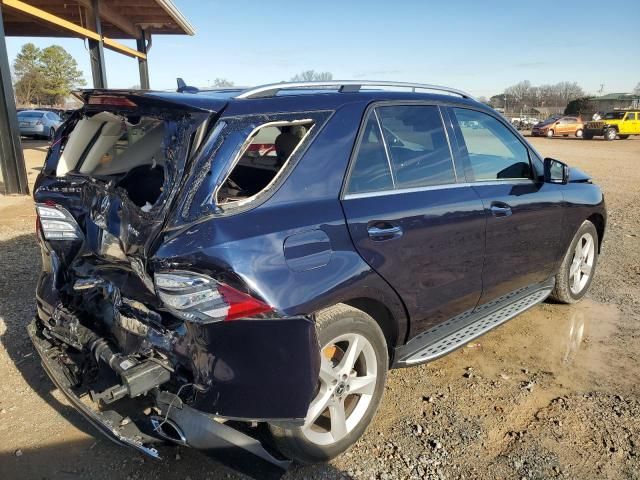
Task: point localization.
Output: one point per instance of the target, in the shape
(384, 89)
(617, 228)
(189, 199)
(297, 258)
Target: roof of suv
(328, 94)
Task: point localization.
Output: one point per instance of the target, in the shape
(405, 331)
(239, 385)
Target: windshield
(30, 114)
(614, 116)
(552, 118)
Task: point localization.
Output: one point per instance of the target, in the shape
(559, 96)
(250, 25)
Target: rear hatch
(115, 168)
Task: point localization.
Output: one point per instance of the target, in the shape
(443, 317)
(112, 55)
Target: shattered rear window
(264, 155)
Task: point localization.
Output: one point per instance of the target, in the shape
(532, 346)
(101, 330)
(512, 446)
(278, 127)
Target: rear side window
(631, 116)
(403, 146)
(30, 114)
(371, 170)
(494, 152)
(417, 145)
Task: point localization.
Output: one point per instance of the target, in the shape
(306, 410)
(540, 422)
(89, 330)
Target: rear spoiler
(130, 99)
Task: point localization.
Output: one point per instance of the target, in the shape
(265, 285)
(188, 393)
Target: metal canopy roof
(120, 18)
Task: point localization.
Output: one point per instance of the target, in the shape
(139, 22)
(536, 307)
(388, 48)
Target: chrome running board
(458, 331)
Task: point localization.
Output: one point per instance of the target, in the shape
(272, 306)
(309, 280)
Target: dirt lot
(554, 393)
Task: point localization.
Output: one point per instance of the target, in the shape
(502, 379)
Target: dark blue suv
(220, 265)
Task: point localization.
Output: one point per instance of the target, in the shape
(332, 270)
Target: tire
(549, 133)
(579, 133)
(567, 288)
(52, 133)
(610, 134)
(623, 137)
(338, 328)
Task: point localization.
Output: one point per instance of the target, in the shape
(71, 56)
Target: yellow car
(619, 124)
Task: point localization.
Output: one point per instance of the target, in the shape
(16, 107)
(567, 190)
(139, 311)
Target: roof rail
(347, 86)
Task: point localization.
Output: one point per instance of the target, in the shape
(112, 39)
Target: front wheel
(578, 266)
(353, 369)
(579, 133)
(549, 133)
(610, 134)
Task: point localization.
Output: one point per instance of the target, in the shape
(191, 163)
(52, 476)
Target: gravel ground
(551, 394)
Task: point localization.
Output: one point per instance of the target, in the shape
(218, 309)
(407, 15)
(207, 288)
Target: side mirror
(555, 171)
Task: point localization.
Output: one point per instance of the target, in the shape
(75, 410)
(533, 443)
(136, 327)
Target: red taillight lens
(240, 304)
(201, 299)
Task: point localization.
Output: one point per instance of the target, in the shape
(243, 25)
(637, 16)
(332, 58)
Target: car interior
(127, 149)
(265, 154)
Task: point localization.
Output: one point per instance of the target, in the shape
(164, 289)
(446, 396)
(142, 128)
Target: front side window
(494, 152)
(614, 116)
(417, 145)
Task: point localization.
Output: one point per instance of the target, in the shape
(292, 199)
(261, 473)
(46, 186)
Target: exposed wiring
(177, 396)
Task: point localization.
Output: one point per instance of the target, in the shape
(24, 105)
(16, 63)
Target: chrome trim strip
(444, 186)
(272, 89)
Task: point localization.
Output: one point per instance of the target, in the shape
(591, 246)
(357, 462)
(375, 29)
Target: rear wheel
(579, 133)
(52, 133)
(610, 134)
(353, 369)
(578, 266)
(549, 133)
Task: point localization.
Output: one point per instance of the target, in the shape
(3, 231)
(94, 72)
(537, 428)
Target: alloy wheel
(348, 375)
(582, 263)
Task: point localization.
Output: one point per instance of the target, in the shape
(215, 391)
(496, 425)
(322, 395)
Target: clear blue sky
(479, 46)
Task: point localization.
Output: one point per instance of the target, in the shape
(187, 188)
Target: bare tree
(568, 91)
(311, 76)
(523, 94)
(222, 83)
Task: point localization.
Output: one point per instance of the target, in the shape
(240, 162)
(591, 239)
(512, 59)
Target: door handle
(500, 209)
(380, 234)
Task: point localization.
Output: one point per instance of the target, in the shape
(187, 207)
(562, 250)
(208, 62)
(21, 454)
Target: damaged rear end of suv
(148, 341)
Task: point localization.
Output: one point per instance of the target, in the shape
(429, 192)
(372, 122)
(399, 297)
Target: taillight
(201, 299)
(57, 223)
(111, 101)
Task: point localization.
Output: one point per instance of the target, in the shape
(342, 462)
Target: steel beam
(14, 172)
(96, 47)
(43, 16)
(141, 43)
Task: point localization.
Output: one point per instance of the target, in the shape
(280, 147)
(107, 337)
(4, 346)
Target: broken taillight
(111, 101)
(201, 299)
(56, 223)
